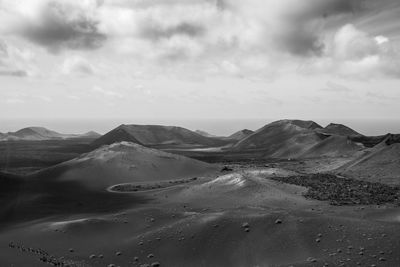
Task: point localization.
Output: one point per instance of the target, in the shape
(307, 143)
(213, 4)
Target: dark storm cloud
(155, 32)
(302, 36)
(63, 27)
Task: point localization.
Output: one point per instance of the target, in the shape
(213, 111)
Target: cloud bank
(241, 38)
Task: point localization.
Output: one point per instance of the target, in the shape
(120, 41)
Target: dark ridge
(117, 135)
(157, 135)
(339, 129)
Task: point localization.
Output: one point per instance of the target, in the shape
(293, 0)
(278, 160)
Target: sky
(160, 60)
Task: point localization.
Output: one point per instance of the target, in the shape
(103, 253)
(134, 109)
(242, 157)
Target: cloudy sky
(199, 59)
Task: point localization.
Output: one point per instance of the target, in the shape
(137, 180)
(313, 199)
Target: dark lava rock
(226, 169)
(343, 191)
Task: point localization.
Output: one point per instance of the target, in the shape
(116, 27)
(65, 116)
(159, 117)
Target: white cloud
(107, 93)
(77, 65)
(14, 100)
(44, 98)
(254, 38)
(356, 54)
(15, 61)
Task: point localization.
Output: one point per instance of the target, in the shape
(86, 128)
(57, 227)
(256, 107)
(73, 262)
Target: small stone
(118, 253)
(310, 259)
(136, 259)
(92, 256)
(150, 256)
(155, 264)
(71, 250)
(278, 221)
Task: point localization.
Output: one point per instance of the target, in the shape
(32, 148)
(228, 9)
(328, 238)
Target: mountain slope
(156, 135)
(241, 134)
(380, 164)
(34, 134)
(90, 134)
(124, 163)
(285, 138)
(41, 134)
(333, 146)
(204, 133)
(338, 129)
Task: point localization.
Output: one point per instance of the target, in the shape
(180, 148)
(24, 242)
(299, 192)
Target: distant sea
(221, 127)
